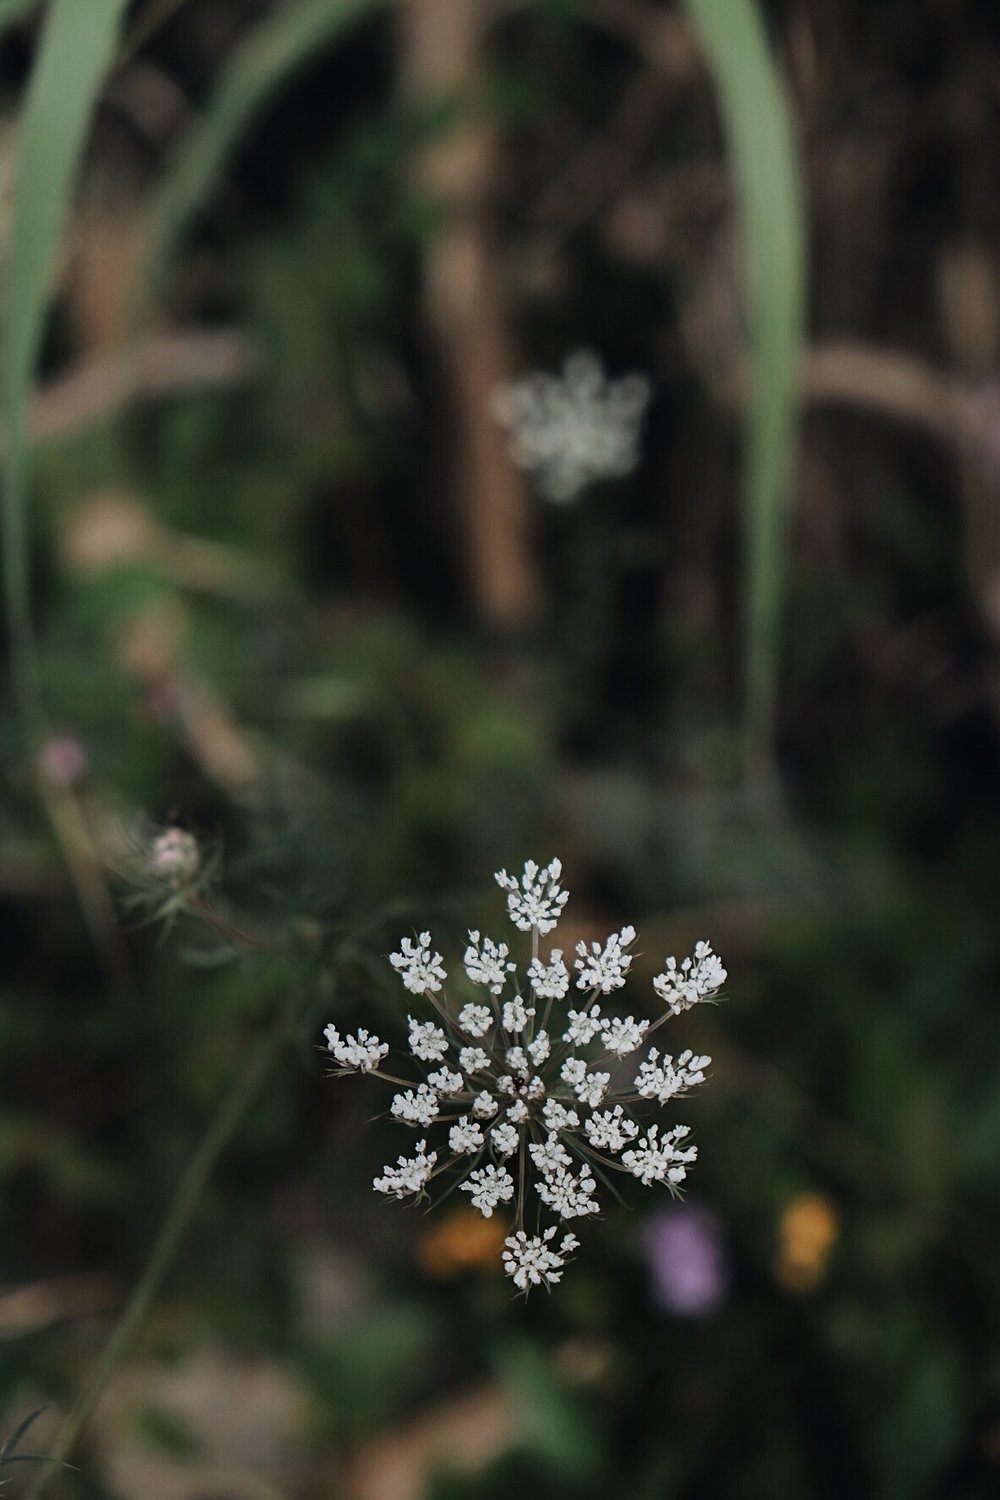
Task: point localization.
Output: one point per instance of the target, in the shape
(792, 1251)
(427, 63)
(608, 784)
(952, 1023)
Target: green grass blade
(761, 141)
(13, 10)
(285, 42)
(73, 55)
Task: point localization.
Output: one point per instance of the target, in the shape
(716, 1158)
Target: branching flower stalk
(537, 1113)
(172, 875)
(220, 1131)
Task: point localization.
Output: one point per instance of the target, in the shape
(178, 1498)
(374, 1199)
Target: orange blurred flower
(458, 1242)
(807, 1233)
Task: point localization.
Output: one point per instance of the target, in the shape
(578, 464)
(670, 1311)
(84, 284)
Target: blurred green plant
(761, 137)
(283, 43)
(76, 48)
(13, 10)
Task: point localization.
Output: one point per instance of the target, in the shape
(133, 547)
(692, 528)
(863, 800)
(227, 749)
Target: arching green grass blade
(761, 141)
(285, 42)
(74, 52)
(13, 10)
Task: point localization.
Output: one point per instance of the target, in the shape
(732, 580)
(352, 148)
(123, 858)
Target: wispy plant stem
(219, 1133)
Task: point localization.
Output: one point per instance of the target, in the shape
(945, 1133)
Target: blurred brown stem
(158, 366)
(441, 44)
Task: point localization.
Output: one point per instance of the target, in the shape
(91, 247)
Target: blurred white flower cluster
(535, 1081)
(572, 429)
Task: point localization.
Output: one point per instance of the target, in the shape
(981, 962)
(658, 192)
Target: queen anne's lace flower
(571, 429)
(534, 1115)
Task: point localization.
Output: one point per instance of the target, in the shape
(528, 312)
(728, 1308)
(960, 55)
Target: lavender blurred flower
(685, 1253)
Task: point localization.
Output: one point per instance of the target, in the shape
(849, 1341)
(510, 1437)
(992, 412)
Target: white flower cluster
(571, 429)
(537, 1103)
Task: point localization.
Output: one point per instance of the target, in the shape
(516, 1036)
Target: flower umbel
(573, 429)
(536, 1101)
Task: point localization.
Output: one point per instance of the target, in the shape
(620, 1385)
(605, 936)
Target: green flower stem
(219, 1133)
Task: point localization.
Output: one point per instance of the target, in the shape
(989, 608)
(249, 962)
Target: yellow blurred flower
(807, 1232)
(458, 1242)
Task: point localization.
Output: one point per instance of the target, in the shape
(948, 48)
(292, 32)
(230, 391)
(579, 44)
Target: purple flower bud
(684, 1250)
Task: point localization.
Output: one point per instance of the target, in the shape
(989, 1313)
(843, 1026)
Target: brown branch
(441, 47)
(161, 365)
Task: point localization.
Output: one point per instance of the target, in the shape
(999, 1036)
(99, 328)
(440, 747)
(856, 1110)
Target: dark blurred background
(291, 593)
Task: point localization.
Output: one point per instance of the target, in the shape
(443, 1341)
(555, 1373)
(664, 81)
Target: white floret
(475, 1020)
(410, 1175)
(427, 1041)
(697, 978)
(465, 1137)
(489, 1186)
(665, 1081)
(583, 1026)
(536, 899)
(569, 1196)
(549, 981)
(660, 1159)
(419, 968)
(539, 1049)
(531, 1261)
(516, 1015)
(418, 1106)
(557, 1116)
(487, 962)
(505, 1139)
(549, 1156)
(592, 1089)
(605, 968)
(611, 1129)
(445, 1082)
(361, 1053)
(622, 1035)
